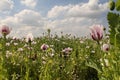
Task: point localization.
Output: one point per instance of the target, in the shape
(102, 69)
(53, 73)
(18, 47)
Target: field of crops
(62, 57)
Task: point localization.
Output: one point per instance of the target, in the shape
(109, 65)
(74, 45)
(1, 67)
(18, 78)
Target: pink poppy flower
(44, 47)
(105, 47)
(97, 32)
(29, 37)
(5, 30)
(67, 50)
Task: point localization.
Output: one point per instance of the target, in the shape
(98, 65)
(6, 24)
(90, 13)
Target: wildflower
(105, 47)
(25, 45)
(15, 44)
(51, 52)
(7, 44)
(5, 30)
(81, 41)
(29, 38)
(67, 50)
(106, 62)
(14, 38)
(51, 45)
(97, 32)
(11, 41)
(44, 47)
(87, 47)
(64, 42)
(107, 37)
(20, 49)
(93, 51)
(29, 48)
(8, 54)
(34, 42)
(44, 60)
(57, 40)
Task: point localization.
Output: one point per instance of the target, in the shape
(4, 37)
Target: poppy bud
(112, 5)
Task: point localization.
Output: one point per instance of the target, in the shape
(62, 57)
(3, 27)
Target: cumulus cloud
(75, 26)
(58, 11)
(74, 19)
(29, 3)
(90, 9)
(29, 17)
(77, 18)
(6, 5)
(25, 21)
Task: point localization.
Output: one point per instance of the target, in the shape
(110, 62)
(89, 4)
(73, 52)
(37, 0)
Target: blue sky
(45, 5)
(36, 16)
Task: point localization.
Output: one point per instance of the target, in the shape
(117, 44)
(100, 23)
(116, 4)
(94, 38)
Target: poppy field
(63, 57)
(59, 58)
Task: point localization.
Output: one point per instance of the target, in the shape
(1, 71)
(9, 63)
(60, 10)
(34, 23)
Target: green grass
(86, 61)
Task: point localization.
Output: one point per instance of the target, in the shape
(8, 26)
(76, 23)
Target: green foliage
(114, 24)
(79, 64)
(118, 5)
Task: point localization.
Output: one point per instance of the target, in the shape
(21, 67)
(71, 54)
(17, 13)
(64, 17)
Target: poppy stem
(98, 42)
(4, 44)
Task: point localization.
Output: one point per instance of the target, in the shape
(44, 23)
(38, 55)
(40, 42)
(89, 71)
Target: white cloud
(74, 19)
(75, 26)
(58, 11)
(77, 18)
(24, 22)
(6, 5)
(29, 17)
(90, 9)
(29, 3)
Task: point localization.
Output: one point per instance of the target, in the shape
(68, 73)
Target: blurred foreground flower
(44, 47)
(97, 32)
(5, 30)
(105, 47)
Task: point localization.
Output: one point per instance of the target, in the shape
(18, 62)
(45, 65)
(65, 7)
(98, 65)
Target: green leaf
(114, 23)
(0, 46)
(93, 65)
(113, 19)
(118, 5)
